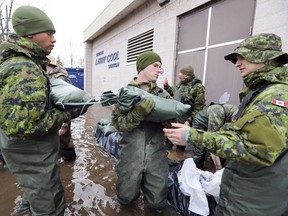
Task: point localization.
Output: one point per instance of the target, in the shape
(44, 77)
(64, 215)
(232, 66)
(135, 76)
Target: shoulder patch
(280, 103)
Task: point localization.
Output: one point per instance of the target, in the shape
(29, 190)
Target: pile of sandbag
(107, 137)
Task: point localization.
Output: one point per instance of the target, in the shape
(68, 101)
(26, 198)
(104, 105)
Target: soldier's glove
(167, 124)
(144, 107)
(77, 111)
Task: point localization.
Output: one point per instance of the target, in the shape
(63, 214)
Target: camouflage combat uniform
(211, 118)
(142, 163)
(189, 91)
(255, 181)
(29, 125)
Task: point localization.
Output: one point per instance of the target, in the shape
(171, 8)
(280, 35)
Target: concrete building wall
(148, 15)
(88, 67)
(271, 16)
(123, 19)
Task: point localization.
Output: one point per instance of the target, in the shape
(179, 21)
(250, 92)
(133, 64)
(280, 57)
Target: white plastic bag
(189, 184)
(213, 187)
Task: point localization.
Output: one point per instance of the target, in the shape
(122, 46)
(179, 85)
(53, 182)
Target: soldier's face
(182, 76)
(152, 71)
(247, 67)
(45, 40)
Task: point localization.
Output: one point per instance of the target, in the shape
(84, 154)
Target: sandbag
(107, 137)
(65, 95)
(106, 126)
(165, 109)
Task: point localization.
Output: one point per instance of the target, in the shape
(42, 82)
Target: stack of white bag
(196, 183)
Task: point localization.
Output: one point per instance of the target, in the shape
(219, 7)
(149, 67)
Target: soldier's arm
(251, 139)
(169, 89)
(166, 94)
(51, 119)
(196, 96)
(216, 118)
(33, 118)
(125, 122)
(199, 98)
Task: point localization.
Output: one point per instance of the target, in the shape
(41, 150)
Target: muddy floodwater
(89, 181)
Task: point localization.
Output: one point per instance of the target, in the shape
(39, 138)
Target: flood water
(89, 181)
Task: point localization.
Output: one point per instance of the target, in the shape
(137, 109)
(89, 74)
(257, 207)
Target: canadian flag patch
(280, 103)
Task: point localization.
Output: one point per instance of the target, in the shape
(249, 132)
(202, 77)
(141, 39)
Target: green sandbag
(165, 109)
(64, 94)
(105, 125)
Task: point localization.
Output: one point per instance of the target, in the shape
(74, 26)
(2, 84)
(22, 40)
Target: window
(140, 43)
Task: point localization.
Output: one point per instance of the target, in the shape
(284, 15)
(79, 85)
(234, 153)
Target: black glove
(144, 107)
(167, 124)
(77, 111)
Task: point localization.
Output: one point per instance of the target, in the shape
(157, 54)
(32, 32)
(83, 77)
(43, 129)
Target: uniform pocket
(264, 140)
(13, 119)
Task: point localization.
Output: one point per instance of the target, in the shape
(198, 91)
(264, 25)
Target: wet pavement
(89, 181)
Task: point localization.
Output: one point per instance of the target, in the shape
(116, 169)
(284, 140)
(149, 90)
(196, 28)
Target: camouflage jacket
(261, 134)
(126, 122)
(25, 110)
(214, 116)
(191, 92)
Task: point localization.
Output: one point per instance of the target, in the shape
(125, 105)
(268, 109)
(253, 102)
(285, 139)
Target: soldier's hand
(178, 134)
(187, 123)
(165, 81)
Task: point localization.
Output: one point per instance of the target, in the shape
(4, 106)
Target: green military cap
(260, 48)
(187, 70)
(145, 59)
(28, 20)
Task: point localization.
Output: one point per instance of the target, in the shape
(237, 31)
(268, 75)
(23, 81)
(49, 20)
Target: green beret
(145, 59)
(187, 70)
(259, 49)
(28, 20)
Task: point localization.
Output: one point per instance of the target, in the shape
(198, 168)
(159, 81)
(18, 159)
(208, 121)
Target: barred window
(140, 43)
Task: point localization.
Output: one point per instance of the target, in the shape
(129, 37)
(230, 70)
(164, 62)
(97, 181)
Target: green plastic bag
(65, 95)
(106, 126)
(165, 109)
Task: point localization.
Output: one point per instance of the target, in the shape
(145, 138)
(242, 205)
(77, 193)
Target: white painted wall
(270, 16)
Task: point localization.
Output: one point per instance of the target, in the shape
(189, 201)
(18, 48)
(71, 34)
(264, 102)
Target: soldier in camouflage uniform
(211, 118)
(255, 181)
(67, 150)
(29, 124)
(142, 164)
(189, 91)
(56, 71)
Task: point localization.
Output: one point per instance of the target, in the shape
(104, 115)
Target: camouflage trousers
(34, 164)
